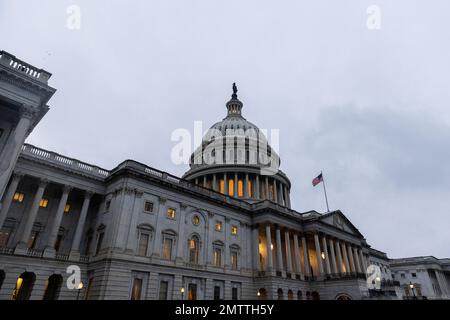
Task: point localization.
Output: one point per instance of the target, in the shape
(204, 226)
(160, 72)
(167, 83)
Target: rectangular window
(234, 293)
(99, 243)
(148, 206)
(143, 244)
(43, 203)
(413, 275)
(167, 249)
(216, 293)
(67, 208)
(218, 226)
(240, 188)
(250, 189)
(402, 275)
(217, 257)
(33, 239)
(234, 230)
(88, 245)
(231, 187)
(234, 260)
(222, 186)
(192, 291)
(137, 289)
(171, 213)
(4, 237)
(18, 197)
(163, 289)
(107, 205)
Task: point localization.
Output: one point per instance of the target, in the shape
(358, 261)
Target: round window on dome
(196, 220)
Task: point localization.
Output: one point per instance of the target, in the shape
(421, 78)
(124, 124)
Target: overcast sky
(370, 108)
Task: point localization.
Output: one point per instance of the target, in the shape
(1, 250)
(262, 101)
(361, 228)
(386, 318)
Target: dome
(235, 158)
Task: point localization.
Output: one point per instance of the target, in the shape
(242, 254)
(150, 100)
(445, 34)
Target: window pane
(143, 244)
(192, 291)
(167, 249)
(234, 294)
(136, 290)
(4, 237)
(99, 243)
(216, 293)
(163, 288)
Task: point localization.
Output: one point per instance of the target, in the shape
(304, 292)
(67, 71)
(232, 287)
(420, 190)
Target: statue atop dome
(234, 95)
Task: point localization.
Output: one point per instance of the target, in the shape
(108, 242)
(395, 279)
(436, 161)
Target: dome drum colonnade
(235, 159)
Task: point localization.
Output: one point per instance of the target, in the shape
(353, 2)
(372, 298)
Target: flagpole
(325, 191)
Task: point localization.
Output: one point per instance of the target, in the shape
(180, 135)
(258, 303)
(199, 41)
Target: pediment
(338, 220)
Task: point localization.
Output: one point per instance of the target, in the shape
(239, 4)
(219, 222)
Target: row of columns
(30, 216)
(342, 258)
(280, 191)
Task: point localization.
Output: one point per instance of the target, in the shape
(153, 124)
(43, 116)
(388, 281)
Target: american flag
(317, 180)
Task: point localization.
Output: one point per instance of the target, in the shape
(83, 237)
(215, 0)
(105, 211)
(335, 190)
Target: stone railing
(34, 253)
(5, 250)
(10, 61)
(62, 256)
(35, 152)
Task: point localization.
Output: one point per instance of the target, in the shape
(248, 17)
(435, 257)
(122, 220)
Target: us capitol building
(222, 231)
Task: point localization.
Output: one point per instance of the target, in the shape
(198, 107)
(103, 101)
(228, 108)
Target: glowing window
(43, 203)
(67, 208)
(234, 230)
(196, 220)
(231, 187)
(171, 213)
(18, 197)
(240, 188)
(222, 186)
(250, 189)
(218, 226)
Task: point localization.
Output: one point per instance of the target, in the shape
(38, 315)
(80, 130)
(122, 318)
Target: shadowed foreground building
(223, 231)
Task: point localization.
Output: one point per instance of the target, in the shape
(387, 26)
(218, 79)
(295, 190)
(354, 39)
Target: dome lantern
(234, 106)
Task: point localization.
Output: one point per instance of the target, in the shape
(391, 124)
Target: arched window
(308, 295)
(280, 294)
(193, 249)
(299, 295)
(290, 295)
(53, 287)
(343, 296)
(24, 286)
(315, 295)
(145, 235)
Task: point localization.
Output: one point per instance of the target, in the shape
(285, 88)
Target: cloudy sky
(368, 107)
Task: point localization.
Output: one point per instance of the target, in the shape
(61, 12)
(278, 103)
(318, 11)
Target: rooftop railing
(10, 61)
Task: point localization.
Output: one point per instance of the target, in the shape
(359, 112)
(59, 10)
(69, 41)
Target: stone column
(279, 252)
(333, 257)
(338, 249)
(269, 250)
(236, 185)
(56, 223)
(281, 197)
(318, 253)
(344, 250)
(288, 252)
(352, 260)
(357, 263)
(286, 197)
(16, 177)
(327, 256)
(214, 182)
(75, 250)
(258, 194)
(11, 151)
(256, 259)
(275, 193)
(246, 186)
(267, 188)
(182, 240)
(297, 254)
(306, 256)
(21, 247)
(363, 262)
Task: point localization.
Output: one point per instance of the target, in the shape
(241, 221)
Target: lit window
(222, 186)
(234, 260)
(167, 249)
(18, 197)
(136, 289)
(43, 203)
(234, 230)
(250, 190)
(218, 226)
(148, 206)
(196, 220)
(67, 208)
(231, 187)
(240, 188)
(217, 257)
(171, 213)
